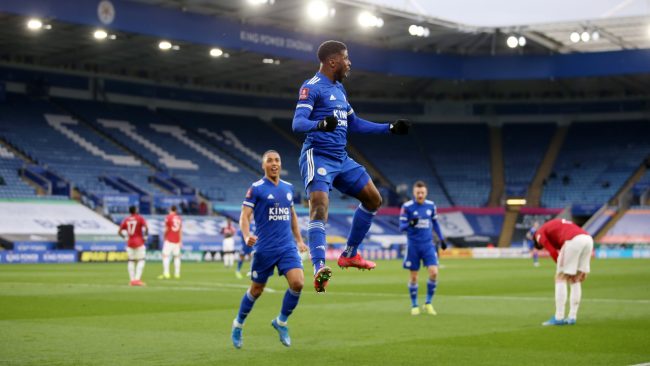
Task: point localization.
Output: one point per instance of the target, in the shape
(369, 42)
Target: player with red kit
(136, 228)
(228, 247)
(173, 244)
(570, 247)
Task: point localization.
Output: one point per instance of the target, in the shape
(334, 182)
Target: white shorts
(170, 248)
(575, 255)
(228, 245)
(135, 254)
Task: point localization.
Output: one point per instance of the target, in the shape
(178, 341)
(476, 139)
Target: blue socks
(317, 243)
(413, 291)
(431, 290)
(239, 264)
(245, 307)
(535, 257)
(361, 222)
(289, 303)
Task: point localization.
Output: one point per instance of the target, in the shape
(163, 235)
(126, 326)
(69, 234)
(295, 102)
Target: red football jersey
(554, 233)
(174, 224)
(134, 225)
(228, 231)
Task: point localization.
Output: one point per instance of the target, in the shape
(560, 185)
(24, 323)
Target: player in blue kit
(276, 244)
(324, 114)
(417, 218)
(529, 243)
(245, 251)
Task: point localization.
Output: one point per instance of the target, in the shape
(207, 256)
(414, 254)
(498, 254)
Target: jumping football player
(324, 114)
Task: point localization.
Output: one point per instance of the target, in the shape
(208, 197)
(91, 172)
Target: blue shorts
(420, 252)
(320, 173)
(264, 262)
(529, 245)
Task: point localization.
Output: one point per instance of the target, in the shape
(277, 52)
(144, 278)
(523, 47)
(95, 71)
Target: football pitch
(490, 313)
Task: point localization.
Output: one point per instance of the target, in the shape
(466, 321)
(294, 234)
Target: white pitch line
(479, 297)
(211, 286)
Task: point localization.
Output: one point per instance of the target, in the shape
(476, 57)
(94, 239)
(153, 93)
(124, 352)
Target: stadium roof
(464, 27)
(505, 13)
(69, 45)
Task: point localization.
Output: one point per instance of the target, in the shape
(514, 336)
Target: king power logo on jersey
(270, 196)
(342, 116)
(332, 97)
(279, 214)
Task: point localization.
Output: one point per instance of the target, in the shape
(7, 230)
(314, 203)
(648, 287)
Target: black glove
(413, 222)
(400, 127)
(328, 124)
(443, 245)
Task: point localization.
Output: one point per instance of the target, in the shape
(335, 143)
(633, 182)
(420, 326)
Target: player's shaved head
(267, 152)
(330, 48)
(133, 209)
(419, 184)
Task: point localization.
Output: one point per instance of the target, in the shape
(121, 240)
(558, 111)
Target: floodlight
(34, 24)
(164, 45)
(512, 42)
(100, 34)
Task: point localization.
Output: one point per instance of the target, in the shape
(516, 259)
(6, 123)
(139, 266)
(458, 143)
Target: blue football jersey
(271, 206)
(326, 98)
(425, 213)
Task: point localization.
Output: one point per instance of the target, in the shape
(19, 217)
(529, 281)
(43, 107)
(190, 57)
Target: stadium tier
(594, 162)
(632, 228)
(403, 163)
(461, 156)
(524, 146)
(69, 148)
(11, 186)
(244, 138)
(171, 147)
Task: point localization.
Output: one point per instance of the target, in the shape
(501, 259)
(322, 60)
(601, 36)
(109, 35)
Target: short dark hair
(173, 208)
(329, 48)
(133, 209)
(269, 152)
(419, 184)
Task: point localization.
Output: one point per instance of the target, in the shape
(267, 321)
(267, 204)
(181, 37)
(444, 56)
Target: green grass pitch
(490, 313)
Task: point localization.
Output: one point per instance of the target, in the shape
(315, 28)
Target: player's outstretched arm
(302, 123)
(357, 124)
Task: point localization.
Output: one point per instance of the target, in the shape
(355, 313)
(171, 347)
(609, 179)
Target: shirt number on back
(130, 227)
(176, 224)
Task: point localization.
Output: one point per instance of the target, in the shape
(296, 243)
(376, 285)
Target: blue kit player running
(270, 201)
(529, 243)
(325, 115)
(245, 251)
(417, 217)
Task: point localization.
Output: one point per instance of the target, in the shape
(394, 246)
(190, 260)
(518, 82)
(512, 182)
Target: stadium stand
(68, 148)
(524, 146)
(595, 160)
(170, 148)
(11, 186)
(632, 228)
(461, 155)
(402, 164)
